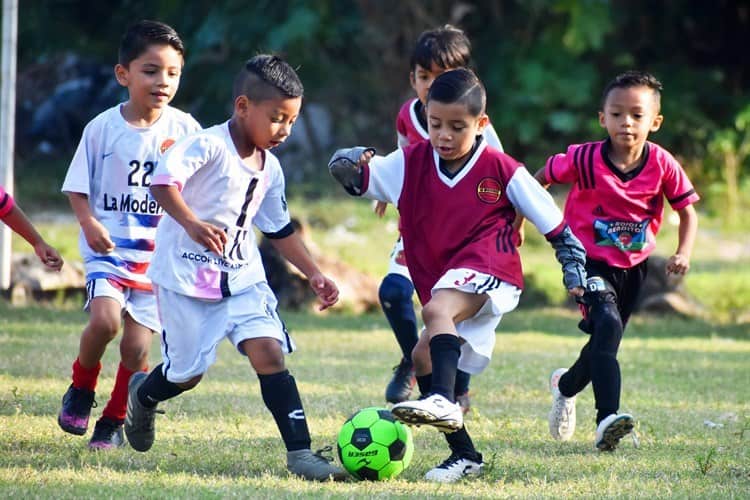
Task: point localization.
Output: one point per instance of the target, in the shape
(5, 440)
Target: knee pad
(607, 327)
(598, 291)
(395, 289)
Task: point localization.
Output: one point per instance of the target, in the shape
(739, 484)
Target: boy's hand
(49, 256)
(325, 289)
(207, 235)
(379, 208)
(577, 291)
(678, 264)
(97, 236)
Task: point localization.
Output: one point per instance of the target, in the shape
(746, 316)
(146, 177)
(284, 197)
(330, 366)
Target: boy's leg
(395, 296)
(134, 347)
(281, 396)
(462, 390)
(103, 325)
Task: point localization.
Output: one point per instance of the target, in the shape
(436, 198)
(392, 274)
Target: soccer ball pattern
(373, 445)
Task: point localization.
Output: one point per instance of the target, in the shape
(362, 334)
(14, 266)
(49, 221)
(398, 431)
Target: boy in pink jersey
(435, 52)
(615, 207)
(12, 215)
(107, 185)
(458, 198)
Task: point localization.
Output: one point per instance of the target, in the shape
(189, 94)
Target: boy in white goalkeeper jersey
(210, 283)
(108, 188)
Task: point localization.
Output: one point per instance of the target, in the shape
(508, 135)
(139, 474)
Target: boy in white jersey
(108, 187)
(210, 283)
(435, 52)
(615, 207)
(458, 199)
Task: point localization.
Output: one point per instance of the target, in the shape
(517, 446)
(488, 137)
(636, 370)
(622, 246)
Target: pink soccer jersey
(617, 215)
(464, 220)
(6, 203)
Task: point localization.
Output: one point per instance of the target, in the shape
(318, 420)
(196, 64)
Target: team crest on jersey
(165, 145)
(488, 190)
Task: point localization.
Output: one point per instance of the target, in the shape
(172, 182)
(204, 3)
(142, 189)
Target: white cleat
(454, 469)
(562, 416)
(434, 410)
(611, 430)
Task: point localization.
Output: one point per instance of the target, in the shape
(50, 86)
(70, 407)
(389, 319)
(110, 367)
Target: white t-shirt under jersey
(113, 166)
(222, 190)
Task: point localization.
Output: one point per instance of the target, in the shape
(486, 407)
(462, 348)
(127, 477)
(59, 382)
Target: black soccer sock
(157, 388)
(461, 444)
(462, 382)
(395, 298)
(424, 382)
(445, 350)
(281, 396)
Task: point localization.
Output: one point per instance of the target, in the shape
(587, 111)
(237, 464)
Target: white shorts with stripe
(193, 328)
(478, 332)
(139, 304)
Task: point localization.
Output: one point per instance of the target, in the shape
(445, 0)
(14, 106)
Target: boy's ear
(601, 119)
(121, 74)
(241, 104)
(656, 125)
(412, 80)
(484, 120)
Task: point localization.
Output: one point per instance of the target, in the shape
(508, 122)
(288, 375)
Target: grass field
(685, 381)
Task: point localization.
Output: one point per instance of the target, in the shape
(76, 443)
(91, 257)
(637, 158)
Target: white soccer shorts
(139, 304)
(397, 261)
(193, 328)
(478, 332)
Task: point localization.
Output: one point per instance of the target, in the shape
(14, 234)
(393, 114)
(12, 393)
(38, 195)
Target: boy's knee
(104, 327)
(186, 386)
(432, 312)
(607, 326)
(395, 289)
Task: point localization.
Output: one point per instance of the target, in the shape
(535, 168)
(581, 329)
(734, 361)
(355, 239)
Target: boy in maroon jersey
(615, 207)
(457, 198)
(436, 51)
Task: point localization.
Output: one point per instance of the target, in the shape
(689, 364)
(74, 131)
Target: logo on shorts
(165, 145)
(488, 190)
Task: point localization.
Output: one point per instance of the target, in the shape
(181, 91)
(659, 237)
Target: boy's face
(152, 78)
(266, 124)
(453, 130)
(629, 115)
(421, 79)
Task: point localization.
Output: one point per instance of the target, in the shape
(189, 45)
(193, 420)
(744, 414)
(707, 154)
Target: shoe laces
(450, 462)
(325, 453)
(403, 369)
(104, 429)
(81, 402)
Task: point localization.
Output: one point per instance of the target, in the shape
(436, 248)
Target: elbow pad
(572, 256)
(344, 167)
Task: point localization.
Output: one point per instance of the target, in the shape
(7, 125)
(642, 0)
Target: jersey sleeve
(184, 158)
(77, 178)
(384, 177)
(678, 189)
(560, 168)
(491, 137)
(6, 203)
(273, 213)
(533, 201)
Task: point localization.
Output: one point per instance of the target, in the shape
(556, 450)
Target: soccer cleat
(455, 468)
(139, 420)
(107, 434)
(562, 416)
(464, 401)
(611, 430)
(314, 466)
(434, 410)
(76, 409)
(401, 384)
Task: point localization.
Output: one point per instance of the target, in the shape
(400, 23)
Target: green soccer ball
(373, 445)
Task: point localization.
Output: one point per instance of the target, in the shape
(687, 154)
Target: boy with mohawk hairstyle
(215, 186)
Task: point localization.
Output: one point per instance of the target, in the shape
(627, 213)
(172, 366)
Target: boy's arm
(293, 249)
(203, 233)
(95, 233)
(541, 177)
(679, 263)
(21, 224)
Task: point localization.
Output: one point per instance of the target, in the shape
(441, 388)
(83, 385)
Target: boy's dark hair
(447, 46)
(459, 86)
(142, 35)
(631, 79)
(267, 77)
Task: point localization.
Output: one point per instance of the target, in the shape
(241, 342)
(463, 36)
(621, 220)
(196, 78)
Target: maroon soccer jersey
(617, 215)
(459, 221)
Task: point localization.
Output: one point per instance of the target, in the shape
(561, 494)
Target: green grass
(219, 441)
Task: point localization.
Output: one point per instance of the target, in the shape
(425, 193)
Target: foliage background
(544, 63)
